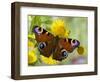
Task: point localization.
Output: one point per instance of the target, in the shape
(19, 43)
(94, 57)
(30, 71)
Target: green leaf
(35, 21)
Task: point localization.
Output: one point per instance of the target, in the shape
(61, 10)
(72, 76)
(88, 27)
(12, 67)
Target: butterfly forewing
(42, 36)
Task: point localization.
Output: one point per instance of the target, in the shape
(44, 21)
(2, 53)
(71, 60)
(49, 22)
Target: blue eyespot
(42, 45)
(64, 53)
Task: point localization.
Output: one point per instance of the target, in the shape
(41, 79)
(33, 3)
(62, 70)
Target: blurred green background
(78, 30)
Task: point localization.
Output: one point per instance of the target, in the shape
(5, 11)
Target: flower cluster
(32, 57)
(49, 60)
(58, 28)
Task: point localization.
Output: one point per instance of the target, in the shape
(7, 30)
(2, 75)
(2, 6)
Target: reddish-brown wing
(45, 41)
(63, 47)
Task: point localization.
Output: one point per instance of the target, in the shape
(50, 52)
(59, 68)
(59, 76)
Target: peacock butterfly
(49, 44)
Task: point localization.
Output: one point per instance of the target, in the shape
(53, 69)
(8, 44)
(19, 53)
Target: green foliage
(35, 21)
(39, 21)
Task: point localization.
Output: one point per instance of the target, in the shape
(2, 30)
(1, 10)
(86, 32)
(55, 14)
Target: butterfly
(49, 44)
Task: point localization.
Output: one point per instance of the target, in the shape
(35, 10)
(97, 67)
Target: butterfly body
(58, 47)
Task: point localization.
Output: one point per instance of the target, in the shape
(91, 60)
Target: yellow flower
(58, 28)
(32, 58)
(49, 60)
(80, 50)
(32, 36)
(30, 44)
(67, 33)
